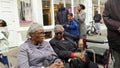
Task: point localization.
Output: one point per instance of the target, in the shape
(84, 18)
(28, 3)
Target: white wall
(9, 12)
(89, 11)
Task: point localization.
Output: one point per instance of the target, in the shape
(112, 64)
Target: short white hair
(33, 29)
(58, 28)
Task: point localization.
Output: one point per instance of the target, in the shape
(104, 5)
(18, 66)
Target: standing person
(80, 16)
(97, 18)
(111, 17)
(35, 52)
(62, 14)
(4, 45)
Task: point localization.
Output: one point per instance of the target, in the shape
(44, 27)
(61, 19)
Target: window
(48, 34)
(68, 6)
(56, 6)
(46, 12)
(25, 12)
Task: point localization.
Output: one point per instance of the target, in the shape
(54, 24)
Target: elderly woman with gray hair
(37, 53)
(67, 50)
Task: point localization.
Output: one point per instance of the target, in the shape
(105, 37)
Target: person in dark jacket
(72, 26)
(111, 17)
(61, 15)
(97, 18)
(65, 49)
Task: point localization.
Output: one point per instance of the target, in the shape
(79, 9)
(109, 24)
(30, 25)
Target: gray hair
(33, 29)
(58, 28)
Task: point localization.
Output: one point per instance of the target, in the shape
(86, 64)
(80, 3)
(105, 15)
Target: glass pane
(48, 34)
(25, 11)
(68, 6)
(56, 6)
(46, 12)
(76, 3)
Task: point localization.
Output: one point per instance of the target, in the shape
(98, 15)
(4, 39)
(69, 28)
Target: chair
(97, 54)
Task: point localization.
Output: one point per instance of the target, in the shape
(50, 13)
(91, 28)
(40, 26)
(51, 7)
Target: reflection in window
(56, 6)
(48, 34)
(68, 6)
(25, 11)
(46, 12)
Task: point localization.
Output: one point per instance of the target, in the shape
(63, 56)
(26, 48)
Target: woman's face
(38, 36)
(79, 7)
(59, 34)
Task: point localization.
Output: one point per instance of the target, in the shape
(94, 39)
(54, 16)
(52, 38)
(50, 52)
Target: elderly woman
(62, 46)
(67, 50)
(35, 52)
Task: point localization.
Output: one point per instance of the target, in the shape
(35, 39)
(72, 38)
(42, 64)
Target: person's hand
(80, 55)
(58, 64)
(67, 25)
(77, 11)
(119, 29)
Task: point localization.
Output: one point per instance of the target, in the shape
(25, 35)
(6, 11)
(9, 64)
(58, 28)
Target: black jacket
(61, 16)
(63, 48)
(111, 16)
(97, 18)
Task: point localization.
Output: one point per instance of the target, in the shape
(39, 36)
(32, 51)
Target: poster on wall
(25, 11)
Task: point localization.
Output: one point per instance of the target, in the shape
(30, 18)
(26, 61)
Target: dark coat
(97, 18)
(111, 16)
(61, 16)
(63, 48)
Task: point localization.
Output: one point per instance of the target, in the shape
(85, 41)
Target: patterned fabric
(4, 45)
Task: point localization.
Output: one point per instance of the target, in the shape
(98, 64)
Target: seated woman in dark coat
(65, 48)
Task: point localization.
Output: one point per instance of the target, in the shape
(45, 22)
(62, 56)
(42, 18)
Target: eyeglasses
(58, 33)
(40, 33)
